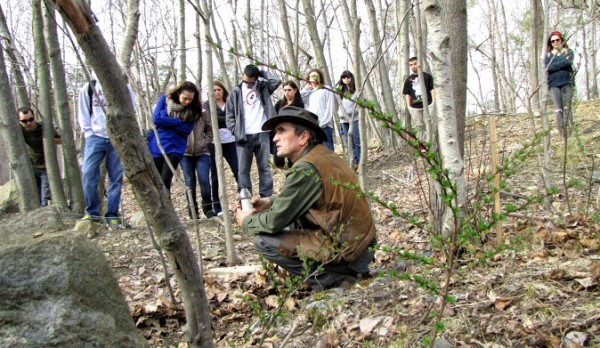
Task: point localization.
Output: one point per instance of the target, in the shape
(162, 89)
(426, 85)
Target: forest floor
(540, 289)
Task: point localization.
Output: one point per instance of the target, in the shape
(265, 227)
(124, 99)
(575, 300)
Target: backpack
(91, 94)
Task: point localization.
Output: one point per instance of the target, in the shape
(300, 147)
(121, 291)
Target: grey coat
(234, 109)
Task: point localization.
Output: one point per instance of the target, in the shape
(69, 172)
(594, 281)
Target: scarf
(179, 111)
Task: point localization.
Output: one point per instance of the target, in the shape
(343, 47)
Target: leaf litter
(541, 291)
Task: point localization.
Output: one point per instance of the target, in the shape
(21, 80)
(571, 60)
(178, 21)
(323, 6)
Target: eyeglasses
(555, 40)
(28, 120)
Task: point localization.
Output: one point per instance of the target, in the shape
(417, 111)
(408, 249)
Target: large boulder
(9, 202)
(57, 290)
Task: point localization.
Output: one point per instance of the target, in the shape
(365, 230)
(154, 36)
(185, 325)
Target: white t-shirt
(254, 113)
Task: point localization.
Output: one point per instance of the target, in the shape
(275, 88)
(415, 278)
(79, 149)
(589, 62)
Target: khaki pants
(421, 123)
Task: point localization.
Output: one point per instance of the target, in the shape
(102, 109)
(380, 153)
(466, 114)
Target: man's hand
(261, 204)
(241, 214)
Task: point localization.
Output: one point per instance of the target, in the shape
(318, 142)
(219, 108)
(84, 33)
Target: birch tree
(442, 66)
(140, 170)
(181, 42)
(63, 111)
(45, 106)
(12, 134)
(21, 87)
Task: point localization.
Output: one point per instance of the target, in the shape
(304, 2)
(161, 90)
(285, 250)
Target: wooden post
(496, 182)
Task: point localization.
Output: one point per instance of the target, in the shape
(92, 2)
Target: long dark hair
(195, 105)
(297, 98)
(225, 91)
(351, 88)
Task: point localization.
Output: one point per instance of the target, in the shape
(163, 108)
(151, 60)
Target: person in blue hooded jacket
(174, 116)
(559, 66)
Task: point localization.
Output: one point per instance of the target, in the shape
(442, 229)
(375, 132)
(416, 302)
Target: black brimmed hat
(296, 115)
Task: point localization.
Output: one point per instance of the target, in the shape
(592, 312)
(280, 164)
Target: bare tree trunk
(384, 72)
(45, 107)
(21, 87)
(133, 20)
(455, 12)
(206, 13)
(63, 111)
(199, 61)
(313, 33)
(535, 36)
(449, 148)
(289, 44)
(18, 159)
(403, 15)
(593, 53)
(141, 172)
(181, 42)
(220, 57)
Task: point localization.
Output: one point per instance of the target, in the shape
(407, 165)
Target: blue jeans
(230, 155)
(95, 150)
(192, 166)
(329, 132)
(355, 139)
(257, 145)
(43, 187)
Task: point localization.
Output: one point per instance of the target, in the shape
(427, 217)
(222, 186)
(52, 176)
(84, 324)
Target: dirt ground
(539, 290)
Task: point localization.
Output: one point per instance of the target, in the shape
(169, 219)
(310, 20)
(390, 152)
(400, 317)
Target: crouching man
(314, 218)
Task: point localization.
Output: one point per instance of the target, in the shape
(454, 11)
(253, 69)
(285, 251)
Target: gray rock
(9, 202)
(441, 342)
(37, 222)
(57, 290)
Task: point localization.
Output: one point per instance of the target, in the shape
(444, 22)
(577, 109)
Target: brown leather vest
(339, 225)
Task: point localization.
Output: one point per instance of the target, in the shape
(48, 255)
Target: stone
(58, 290)
(39, 222)
(87, 228)
(9, 201)
(138, 219)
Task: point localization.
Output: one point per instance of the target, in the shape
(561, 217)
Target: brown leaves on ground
(540, 291)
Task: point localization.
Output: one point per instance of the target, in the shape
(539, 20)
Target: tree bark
(18, 158)
(21, 87)
(313, 33)
(289, 44)
(141, 171)
(133, 20)
(382, 66)
(45, 107)
(181, 42)
(455, 11)
(63, 111)
(449, 147)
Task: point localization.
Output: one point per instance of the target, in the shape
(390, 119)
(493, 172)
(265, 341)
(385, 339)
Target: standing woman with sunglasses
(349, 112)
(559, 67)
(319, 99)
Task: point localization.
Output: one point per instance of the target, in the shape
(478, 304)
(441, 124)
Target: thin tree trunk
(535, 34)
(133, 20)
(181, 42)
(456, 14)
(18, 159)
(449, 148)
(384, 72)
(21, 87)
(141, 172)
(313, 33)
(593, 53)
(289, 44)
(63, 111)
(229, 242)
(45, 107)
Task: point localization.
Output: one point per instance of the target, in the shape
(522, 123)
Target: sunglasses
(346, 76)
(28, 120)
(248, 83)
(555, 40)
